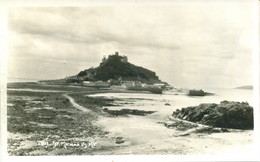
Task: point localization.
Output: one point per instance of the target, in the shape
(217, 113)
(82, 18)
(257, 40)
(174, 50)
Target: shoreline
(23, 129)
(54, 123)
(37, 119)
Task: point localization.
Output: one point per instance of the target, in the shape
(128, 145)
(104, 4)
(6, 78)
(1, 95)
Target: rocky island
(198, 93)
(116, 70)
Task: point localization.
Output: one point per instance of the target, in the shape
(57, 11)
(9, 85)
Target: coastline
(32, 115)
(46, 123)
(49, 122)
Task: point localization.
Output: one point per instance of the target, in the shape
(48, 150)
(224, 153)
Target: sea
(16, 80)
(146, 134)
(174, 99)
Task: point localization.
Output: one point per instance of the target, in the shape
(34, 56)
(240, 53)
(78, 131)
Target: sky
(189, 46)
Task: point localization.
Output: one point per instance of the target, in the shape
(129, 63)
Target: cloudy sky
(191, 46)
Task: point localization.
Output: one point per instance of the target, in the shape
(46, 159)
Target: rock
(120, 140)
(224, 130)
(167, 104)
(179, 125)
(227, 114)
(198, 93)
(123, 112)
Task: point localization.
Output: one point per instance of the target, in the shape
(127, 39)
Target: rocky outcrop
(198, 93)
(227, 114)
(115, 68)
(123, 112)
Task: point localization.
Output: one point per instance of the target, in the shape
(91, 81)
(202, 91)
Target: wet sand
(49, 121)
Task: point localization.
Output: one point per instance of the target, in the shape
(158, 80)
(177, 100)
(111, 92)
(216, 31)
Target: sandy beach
(65, 120)
(46, 123)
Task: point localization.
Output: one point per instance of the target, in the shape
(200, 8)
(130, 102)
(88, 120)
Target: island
(115, 71)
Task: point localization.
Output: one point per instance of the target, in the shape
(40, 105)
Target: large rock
(227, 114)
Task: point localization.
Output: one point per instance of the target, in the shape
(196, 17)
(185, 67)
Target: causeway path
(72, 101)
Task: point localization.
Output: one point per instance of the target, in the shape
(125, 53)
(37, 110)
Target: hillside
(117, 68)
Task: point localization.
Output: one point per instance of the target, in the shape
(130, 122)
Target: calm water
(15, 80)
(144, 135)
(156, 102)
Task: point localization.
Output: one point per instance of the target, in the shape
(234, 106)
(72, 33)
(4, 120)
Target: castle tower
(104, 59)
(124, 59)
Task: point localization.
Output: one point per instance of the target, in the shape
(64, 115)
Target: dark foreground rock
(179, 125)
(127, 112)
(120, 140)
(227, 114)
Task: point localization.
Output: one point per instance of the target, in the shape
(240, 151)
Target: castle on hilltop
(116, 55)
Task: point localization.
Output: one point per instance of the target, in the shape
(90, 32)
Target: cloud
(179, 42)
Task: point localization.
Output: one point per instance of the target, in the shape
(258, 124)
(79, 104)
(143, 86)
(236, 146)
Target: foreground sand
(46, 123)
(61, 120)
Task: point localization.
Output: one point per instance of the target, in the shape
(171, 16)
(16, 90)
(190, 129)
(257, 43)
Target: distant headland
(250, 87)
